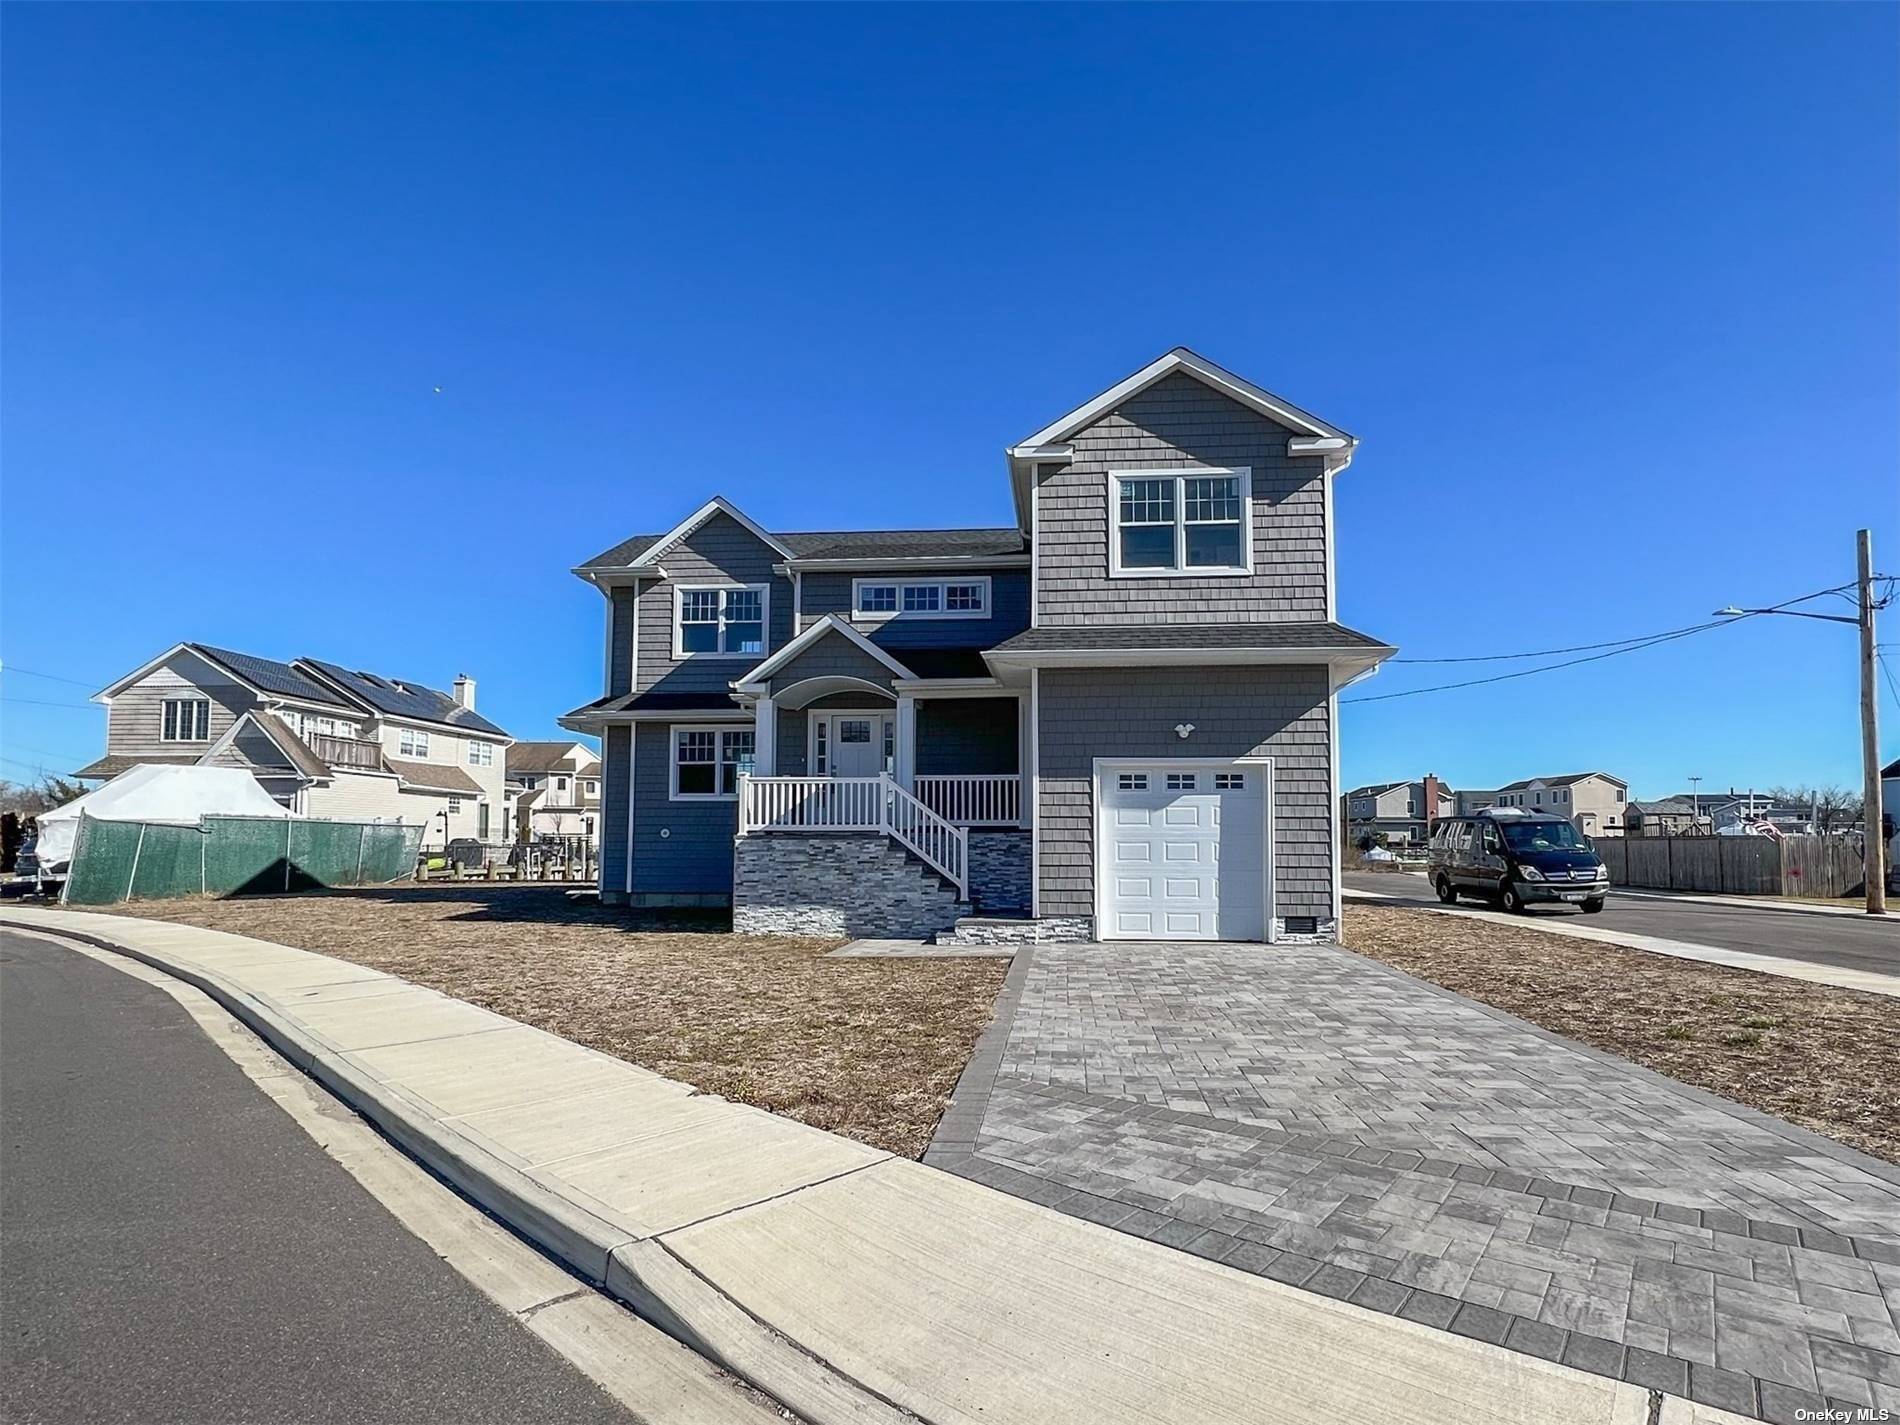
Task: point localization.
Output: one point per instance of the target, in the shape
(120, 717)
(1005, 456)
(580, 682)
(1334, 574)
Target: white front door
(857, 744)
(1183, 852)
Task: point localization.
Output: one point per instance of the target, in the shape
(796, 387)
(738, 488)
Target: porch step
(858, 885)
(1011, 930)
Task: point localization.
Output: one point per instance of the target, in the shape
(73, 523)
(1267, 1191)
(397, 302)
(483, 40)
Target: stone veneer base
(837, 884)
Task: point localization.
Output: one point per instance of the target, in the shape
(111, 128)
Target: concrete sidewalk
(847, 1284)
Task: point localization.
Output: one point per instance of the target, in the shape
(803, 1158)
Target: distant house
(1401, 812)
(324, 740)
(1672, 816)
(1471, 801)
(557, 790)
(1594, 802)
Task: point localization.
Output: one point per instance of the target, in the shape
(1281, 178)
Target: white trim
(953, 687)
(1326, 533)
(1332, 719)
(826, 685)
(680, 591)
(754, 680)
(1181, 569)
(633, 744)
(719, 731)
(860, 614)
(1035, 546)
(875, 716)
(589, 722)
(1113, 764)
(718, 504)
(904, 744)
(765, 738)
(1339, 659)
(1181, 359)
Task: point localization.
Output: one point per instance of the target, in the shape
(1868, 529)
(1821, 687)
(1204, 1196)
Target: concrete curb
(861, 1288)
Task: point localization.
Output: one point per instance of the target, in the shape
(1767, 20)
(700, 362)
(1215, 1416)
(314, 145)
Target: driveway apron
(1312, 1116)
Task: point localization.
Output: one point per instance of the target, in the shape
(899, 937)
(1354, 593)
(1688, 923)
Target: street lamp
(1873, 852)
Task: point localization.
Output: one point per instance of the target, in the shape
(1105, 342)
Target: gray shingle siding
(1281, 712)
(621, 611)
(1176, 423)
(135, 722)
(966, 736)
(721, 551)
(832, 656)
(615, 745)
(695, 858)
(1009, 610)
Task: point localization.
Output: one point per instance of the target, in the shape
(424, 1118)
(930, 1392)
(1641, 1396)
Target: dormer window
(720, 622)
(1181, 522)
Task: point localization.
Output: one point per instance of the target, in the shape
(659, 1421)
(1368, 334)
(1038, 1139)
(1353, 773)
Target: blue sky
(1608, 292)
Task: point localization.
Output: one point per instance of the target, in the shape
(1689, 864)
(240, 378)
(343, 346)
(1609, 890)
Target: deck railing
(836, 804)
(347, 751)
(974, 800)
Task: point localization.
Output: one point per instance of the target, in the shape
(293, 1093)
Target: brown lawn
(1825, 1058)
(867, 1048)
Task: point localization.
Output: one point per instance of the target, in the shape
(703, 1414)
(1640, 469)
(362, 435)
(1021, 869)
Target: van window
(1544, 836)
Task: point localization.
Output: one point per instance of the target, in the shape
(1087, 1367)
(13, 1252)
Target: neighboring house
(1672, 816)
(1401, 812)
(1467, 802)
(1114, 718)
(557, 790)
(324, 740)
(1593, 801)
(1752, 811)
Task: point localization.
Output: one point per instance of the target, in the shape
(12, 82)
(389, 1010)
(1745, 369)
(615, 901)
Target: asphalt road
(1843, 941)
(174, 1248)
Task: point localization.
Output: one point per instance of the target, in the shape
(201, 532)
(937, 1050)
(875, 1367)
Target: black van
(1516, 857)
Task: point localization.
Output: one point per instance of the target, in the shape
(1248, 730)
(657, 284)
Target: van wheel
(1594, 907)
(1446, 891)
(1513, 902)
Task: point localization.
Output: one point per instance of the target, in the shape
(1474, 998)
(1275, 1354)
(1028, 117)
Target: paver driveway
(1312, 1116)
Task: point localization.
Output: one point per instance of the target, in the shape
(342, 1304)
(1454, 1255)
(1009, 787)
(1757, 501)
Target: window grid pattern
(707, 761)
(922, 598)
(722, 621)
(187, 720)
(1132, 781)
(1181, 781)
(1181, 523)
(413, 742)
(1229, 781)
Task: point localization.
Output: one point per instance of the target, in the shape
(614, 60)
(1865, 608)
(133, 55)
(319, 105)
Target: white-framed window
(921, 598)
(560, 784)
(481, 820)
(1131, 781)
(1181, 781)
(593, 787)
(1180, 522)
(1230, 781)
(528, 784)
(186, 720)
(412, 742)
(707, 762)
(455, 805)
(721, 621)
(481, 754)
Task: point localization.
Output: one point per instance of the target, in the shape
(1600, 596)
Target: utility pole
(1874, 850)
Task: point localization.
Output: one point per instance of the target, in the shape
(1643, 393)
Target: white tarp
(149, 792)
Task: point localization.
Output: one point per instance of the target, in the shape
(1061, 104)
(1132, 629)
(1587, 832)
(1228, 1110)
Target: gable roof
(642, 550)
(829, 624)
(525, 758)
(269, 675)
(296, 752)
(1235, 387)
(402, 699)
(434, 777)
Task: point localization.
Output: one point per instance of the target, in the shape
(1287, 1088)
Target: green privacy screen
(233, 855)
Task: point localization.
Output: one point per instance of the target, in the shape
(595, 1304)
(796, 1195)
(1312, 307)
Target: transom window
(921, 598)
(721, 622)
(412, 742)
(187, 720)
(1181, 522)
(707, 761)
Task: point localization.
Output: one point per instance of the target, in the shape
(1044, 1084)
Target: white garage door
(1184, 852)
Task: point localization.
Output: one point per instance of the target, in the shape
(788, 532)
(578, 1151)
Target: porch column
(765, 738)
(906, 750)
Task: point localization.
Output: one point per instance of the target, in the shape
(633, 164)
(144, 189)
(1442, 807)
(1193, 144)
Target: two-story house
(324, 740)
(1115, 718)
(557, 791)
(1398, 813)
(1594, 802)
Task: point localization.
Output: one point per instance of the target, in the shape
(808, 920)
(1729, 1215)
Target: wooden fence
(1735, 865)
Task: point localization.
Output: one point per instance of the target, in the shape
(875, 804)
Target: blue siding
(614, 748)
(695, 856)
(1009, 610)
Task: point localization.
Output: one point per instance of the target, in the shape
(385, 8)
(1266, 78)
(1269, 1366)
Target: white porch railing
(768, 804)
(974, 800)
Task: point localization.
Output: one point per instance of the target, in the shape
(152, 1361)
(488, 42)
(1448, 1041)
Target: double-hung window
(1181, 522)
(481, 754)
(412, 742)
(921, 598)
(707, 761)
(187, 720)
(720, 622)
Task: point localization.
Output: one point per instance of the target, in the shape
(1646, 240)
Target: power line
(55, 677)
(1886, 672)
(43, 703)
